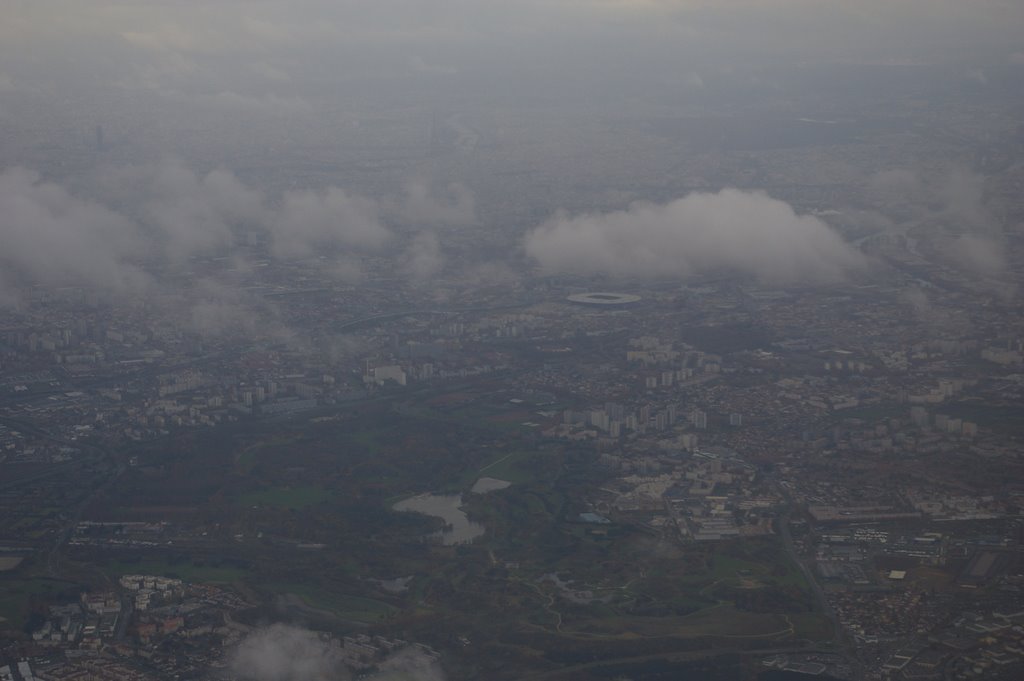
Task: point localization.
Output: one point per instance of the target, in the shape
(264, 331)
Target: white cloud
(408, 664)
(286, 653)
(148, 224)
(744, 232)
(951, 206)
(421, 205)
(331, 219)
(978, 254)
(187, 214)
(423, 257)
(49, 236)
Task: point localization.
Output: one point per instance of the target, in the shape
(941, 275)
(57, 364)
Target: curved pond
(459, 529)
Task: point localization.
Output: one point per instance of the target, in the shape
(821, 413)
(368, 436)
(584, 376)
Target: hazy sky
(302, 61)
(263, 47)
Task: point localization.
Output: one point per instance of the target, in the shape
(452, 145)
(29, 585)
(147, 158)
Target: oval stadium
(604, 299)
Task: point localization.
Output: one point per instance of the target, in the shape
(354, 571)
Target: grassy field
(479, 415)
(184, 570)
(811, 625)
(343, 606)
(368, 440)
(511, 467)
(340, 478)
(717, 620)
(767, 564)
(15, 595)
(725, 620)
(247, 458)
(733, 571)
(299, 496)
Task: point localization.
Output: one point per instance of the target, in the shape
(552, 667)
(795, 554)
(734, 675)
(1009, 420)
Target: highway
(816, 590)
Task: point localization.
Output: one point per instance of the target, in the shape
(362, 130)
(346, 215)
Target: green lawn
(184, 570)
(248, 458)
(811, 625)
(725, 620)
(299, 496)
(509, 467)
(717, 620)
(367, 439)
(16, 593)
(344, 606)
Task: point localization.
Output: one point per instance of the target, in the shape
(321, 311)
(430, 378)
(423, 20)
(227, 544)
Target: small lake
(459, 528)
(448, 507)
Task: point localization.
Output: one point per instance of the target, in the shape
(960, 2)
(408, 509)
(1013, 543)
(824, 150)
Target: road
(567, 672)
(53, 558)
(351, 324)
(812, 582)
(816, 590)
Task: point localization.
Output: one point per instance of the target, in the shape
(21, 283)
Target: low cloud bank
(283, 652)
(286, 653)
(744, 232)
(182, 213)
(333, 219)
(142, 222)
(952, 206)
(165, 237)
(50, 237)
(424, 205)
